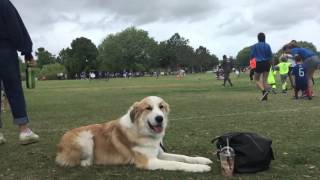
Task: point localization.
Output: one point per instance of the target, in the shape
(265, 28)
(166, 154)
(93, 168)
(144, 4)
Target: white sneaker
(28, 137)
(2, 139)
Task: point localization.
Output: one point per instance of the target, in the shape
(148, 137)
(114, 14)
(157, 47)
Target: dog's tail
(69, 153)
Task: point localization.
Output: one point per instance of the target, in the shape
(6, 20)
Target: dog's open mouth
(157, 128)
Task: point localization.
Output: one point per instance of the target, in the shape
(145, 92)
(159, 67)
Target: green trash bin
(30, 78)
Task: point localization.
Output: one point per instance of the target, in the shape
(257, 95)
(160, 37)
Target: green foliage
(44, 57)
(82, 56)
(166, 56)
(243, 57)
(204, 60)
(50, 71)
(183, 52)
(130, 50)
(176, 52)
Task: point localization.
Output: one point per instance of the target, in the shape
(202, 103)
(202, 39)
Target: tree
(51, 71)
(44, 57)
(204, 60)
(243, 57)
(130, 50)
(166, 56)
(183, 52)
(82, 56)
(176, 52)
(64, 54)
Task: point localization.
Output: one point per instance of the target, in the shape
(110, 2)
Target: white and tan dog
(133, 139)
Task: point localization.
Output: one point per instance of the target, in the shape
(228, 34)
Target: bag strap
(230, 136)
(215, 139)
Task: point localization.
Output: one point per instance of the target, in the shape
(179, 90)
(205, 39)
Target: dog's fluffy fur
(133, 139)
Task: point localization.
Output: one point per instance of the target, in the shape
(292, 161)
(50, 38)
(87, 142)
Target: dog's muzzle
(158, 128)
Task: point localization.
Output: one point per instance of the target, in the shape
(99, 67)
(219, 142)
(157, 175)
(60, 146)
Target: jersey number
(301, 72)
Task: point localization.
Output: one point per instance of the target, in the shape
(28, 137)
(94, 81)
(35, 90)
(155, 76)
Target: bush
(50, 71)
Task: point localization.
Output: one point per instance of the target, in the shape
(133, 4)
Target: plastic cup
(227, 156)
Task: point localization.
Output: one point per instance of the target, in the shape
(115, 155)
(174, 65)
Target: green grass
(200, 109)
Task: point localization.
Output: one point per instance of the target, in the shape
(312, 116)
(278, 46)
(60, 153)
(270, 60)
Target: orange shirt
(253, 63)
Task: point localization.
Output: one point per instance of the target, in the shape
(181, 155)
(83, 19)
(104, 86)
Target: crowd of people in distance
(125, 74)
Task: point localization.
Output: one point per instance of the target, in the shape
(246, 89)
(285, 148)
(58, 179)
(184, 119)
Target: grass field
(200, 109)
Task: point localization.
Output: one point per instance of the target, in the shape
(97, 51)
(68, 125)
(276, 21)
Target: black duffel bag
(253, 152)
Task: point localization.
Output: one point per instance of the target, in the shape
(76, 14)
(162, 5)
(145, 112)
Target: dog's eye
(161, 106)
(149, 108)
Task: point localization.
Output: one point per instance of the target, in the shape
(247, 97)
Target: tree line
(131, 50)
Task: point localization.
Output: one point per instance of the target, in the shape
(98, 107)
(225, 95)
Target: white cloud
(224, 27)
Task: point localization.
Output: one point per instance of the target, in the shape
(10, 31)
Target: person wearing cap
(15, 37)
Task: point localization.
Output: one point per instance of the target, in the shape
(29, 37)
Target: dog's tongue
(158, 129)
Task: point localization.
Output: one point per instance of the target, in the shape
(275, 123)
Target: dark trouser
(251, 74)
(10, 76)
(227, 78)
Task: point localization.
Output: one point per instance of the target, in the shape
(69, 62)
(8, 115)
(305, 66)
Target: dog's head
(150, 116)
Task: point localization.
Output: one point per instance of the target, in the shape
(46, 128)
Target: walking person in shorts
(261, 51)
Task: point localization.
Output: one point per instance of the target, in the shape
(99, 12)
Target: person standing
(271, 80)
(263, 54)
(309, 58)
(299, 71)
(15, 37)
(227, 66)
(284, 66)
(252, 66)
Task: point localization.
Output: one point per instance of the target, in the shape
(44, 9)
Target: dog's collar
(162, 147)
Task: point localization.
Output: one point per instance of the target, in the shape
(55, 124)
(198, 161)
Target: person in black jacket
(15, 37)
(227, 66)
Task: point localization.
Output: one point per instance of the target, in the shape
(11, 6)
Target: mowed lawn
(201, 108)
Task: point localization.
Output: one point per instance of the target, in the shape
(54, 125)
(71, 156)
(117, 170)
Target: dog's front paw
(86, 163)
(200, 168)
(201, 160)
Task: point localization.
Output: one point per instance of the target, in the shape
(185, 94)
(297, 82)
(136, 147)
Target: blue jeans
(10, 76)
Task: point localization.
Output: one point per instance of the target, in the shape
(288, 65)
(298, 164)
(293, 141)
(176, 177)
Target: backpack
(253, 152)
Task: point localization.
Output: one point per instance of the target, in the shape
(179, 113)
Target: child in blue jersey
(299, 71)
(309, 58)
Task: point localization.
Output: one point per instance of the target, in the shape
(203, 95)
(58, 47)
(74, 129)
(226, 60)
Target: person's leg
(257, 78)
(264, 80)
(12, 85)
(0, 103)
(296, 91)
(312, 64)
(229, 80)
(14, 92)
(310, 84)
(225, 78)
(290, 77)
(283, 82)
(266, 86)
(251, 74)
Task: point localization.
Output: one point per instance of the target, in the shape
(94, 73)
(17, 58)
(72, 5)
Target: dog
(135, 138)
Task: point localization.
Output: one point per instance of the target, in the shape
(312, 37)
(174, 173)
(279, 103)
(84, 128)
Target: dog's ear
(166, 107)
(134, 111)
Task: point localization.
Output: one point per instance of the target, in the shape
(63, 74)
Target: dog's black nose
(159, 119)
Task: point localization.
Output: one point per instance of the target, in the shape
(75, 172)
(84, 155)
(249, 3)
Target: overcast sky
(223, 26)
